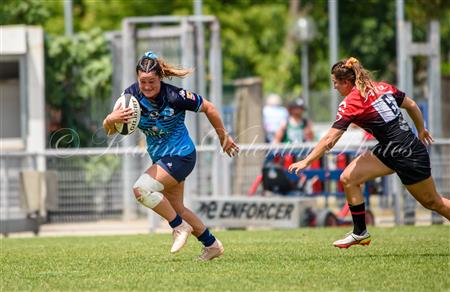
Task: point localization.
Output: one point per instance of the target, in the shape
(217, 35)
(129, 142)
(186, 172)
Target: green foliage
(398, 259)
(99, 169)
(421, 12)
(251, 46)
(78, 71)
(23, 12)
(107, 14)
(369, 37)
(255, 41)
(77, 68)
(445, 69)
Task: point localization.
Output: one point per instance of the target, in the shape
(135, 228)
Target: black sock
(206, 238)
(359, 218)
(175, 222)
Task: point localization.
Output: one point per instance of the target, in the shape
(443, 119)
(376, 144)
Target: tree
(78, 73)
(23, 12)
(255, 34)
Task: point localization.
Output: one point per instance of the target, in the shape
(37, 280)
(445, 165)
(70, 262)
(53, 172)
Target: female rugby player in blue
(171, 149)
(375, 107)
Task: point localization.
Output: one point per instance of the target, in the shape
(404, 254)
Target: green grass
(401, 258)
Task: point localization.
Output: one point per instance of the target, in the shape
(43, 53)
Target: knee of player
(432, 203)
(147, 191)
(345, 178)
(348, 181)
(137, 193)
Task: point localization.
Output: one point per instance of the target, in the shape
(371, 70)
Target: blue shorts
(179, 167)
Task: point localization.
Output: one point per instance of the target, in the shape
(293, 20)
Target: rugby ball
(128, 101)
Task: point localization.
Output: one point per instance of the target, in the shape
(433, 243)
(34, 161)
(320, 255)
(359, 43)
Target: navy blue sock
(206, 238)
(175, 222)
(359, 218)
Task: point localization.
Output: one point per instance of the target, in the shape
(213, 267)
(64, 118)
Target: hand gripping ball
(128, 101)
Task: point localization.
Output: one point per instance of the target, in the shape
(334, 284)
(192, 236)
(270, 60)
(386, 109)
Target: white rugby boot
(180, 235)
(213, 251)
(353, 239)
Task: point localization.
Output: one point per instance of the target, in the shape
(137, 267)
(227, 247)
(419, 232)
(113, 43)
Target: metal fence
(87, 184)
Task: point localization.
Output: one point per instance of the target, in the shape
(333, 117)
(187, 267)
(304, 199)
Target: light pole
(333, 50)
(305, 33)
(68, 17)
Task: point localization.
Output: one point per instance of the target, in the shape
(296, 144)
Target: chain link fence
(87, 184)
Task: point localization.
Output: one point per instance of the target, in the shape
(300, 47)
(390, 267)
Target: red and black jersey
(378, 113)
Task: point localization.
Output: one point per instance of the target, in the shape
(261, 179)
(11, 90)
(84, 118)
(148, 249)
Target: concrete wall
(25, 44)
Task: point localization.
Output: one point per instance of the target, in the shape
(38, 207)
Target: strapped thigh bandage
(148, 191)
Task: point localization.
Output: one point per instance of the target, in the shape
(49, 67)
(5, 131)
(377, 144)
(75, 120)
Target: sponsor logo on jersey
(154, 132)
(190, 95)
(154, 114)
(187, 94)
(168, 112)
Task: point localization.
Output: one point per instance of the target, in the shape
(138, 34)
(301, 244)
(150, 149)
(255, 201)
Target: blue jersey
(162, 120)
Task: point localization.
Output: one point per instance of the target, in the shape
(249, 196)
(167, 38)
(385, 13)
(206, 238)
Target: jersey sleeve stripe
(199, 102)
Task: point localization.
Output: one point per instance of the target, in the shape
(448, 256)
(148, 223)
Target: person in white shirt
(274, 114)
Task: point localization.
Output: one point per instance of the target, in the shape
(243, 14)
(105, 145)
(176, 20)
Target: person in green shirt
(296, 129)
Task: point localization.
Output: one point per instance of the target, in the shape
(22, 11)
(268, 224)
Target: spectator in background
(296, 128)
(274, 114)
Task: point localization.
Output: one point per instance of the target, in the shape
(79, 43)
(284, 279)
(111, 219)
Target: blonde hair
(161, 68)
(169, 70)
(351, 69)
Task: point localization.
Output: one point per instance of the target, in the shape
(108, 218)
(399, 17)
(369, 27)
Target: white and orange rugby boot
(353, 239)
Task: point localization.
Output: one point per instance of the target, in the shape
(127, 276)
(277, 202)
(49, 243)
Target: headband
(147, 67)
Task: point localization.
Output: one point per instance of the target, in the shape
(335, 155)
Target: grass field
(401, 258)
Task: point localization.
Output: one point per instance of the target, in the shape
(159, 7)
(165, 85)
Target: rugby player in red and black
(375, 107)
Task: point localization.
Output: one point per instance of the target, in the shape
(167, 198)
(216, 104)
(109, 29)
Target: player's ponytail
(352, 70)
(151, 62)
(169, 70)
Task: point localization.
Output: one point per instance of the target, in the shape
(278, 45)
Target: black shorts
(410, 160)
(179, 167)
